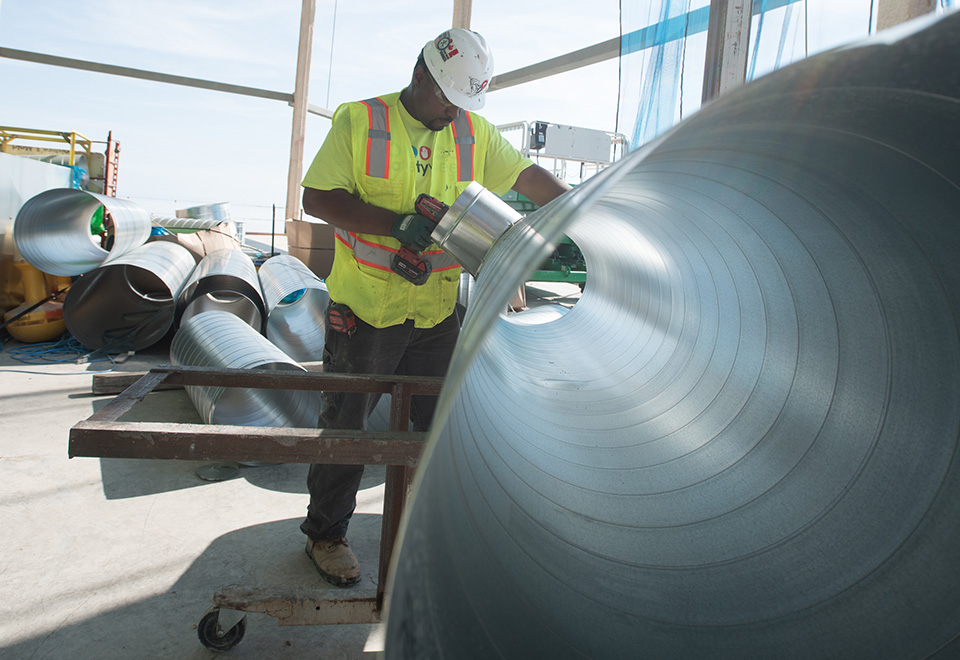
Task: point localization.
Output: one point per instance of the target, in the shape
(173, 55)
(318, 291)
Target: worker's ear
(420, 75)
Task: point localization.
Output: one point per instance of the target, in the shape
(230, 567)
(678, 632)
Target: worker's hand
(414, 231)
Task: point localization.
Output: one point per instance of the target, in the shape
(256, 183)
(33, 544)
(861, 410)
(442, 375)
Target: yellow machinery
(40, 316)
(37, 314)
(101, 167)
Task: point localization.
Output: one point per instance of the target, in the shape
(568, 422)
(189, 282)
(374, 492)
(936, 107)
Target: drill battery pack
(341, 318)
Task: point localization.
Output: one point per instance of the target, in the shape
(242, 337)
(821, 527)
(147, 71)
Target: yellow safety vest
(385, 174)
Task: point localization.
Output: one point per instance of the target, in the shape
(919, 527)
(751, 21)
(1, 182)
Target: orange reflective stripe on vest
(380, 256)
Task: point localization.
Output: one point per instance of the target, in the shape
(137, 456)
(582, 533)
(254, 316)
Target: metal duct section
(128, 303)
(222, 340)
(742, 441)
(224, 280)
(52, 230)
(176, 224)
(217, 213)
(296, 302)
(197, 217)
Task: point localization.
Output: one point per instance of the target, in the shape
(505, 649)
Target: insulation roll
(222, 340)
(296, 302)
(128, 303)
(52, 230)
(742, 441)
(224, 280)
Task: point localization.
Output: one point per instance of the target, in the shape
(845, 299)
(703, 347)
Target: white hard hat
(462, 65)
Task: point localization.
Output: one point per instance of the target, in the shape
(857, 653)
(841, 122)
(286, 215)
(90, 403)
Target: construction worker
(378, 157)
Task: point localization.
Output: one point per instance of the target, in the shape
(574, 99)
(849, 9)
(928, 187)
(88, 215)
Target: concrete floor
(120, 558)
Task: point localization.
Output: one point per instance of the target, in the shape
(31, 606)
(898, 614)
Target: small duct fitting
(742, 441)
(472, 224)
(129, 303)
(225, 280)
(222, 340)
(296, 302)
(52, 230)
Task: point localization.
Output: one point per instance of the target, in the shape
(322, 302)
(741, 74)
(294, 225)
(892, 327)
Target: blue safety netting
(663, 51)
(660, 41)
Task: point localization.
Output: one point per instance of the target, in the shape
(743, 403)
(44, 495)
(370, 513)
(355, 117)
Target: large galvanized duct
(296, 301)
(224, 280)
(222, 340)
(129, 302)
(742, 441)
(52, 230)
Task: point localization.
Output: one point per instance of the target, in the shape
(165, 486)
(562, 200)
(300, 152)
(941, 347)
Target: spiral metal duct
(129, 302)
(218, 213)
(185, 223)
(296, 302)
(224, 280)
(52, 230)
(221, 340)
(742, 441)
(207, 216)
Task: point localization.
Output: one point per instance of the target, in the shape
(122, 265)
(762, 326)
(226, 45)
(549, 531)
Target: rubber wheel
(214, 638)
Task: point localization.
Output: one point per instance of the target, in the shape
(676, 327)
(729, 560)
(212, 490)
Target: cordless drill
(407, 262)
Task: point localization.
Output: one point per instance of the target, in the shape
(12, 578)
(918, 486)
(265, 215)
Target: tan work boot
(335, 561)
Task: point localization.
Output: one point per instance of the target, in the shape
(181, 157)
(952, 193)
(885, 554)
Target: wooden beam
(895, 12)
(462, 9)
(728, 40)
(300, 109)
(97, 67)
(606, 50)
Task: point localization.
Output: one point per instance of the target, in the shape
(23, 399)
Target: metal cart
(103, 435)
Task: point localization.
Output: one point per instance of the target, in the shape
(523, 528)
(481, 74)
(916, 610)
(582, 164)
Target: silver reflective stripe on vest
(463, 138)
(378, 142)
(376, 255)
(378, 139)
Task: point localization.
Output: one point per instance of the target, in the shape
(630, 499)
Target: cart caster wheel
(213, 637)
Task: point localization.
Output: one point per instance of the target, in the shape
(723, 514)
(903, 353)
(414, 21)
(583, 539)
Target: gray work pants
(396, 350)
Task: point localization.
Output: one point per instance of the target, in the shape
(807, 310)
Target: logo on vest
(423, 154)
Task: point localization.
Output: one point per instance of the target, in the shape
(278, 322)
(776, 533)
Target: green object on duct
(96, 222)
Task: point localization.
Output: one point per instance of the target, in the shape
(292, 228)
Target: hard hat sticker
(445, 47)
(476, 86)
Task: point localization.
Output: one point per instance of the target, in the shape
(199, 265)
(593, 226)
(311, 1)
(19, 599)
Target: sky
(183, 147)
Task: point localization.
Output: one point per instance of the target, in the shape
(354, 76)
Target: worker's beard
(439, 124)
